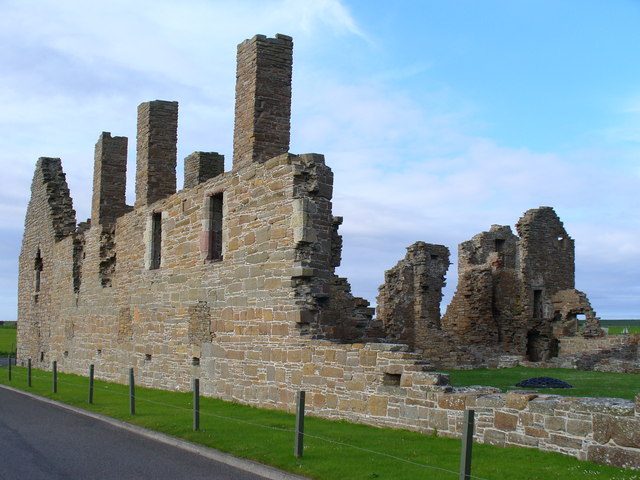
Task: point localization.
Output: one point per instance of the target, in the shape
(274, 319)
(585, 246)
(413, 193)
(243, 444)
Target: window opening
(214, 247)
(37, 267)
(156, 240)
(391, 379)
(499, 245)
(537, 304)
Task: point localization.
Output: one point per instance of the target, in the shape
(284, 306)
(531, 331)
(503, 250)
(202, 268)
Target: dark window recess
(156, 240)
(537, 304)
(66, 353)
(434, 257)
(99, 352)
(147, 357)
(37, 267)
(391, 379)
(42, 356)
(214, 247)
(499, 245)
(195, 361)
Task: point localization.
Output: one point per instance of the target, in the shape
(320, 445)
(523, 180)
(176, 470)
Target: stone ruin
(515, 301)
(232, 280)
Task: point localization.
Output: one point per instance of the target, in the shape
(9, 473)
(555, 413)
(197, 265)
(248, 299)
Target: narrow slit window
(37, 267)
(214, 247)
(156, 240)
(499, 245)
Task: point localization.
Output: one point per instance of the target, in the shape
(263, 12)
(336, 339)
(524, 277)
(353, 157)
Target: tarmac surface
(41, 439)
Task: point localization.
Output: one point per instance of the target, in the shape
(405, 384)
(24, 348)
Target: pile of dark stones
(544, 382)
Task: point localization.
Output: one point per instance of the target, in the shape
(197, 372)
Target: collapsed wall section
(48, 257)
(409, 300)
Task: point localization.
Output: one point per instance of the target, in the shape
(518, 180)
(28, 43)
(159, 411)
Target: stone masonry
(232, 280)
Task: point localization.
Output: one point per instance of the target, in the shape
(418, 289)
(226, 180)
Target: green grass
(7, 338)
(615, 327)
(267, 436)
(586, 384)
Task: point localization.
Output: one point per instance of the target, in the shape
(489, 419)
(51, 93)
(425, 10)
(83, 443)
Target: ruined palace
(232, 280)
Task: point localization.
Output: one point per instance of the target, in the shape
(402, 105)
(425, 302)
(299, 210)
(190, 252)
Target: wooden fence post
(299, 443)
(196, 404)
(467, 443)
(132, 393)
(91, 368)
(54, 376)
(29, 372)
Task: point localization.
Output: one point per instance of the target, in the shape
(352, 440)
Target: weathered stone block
(494, 437)
(519, 399)
(624, 431)
(617, 457)
(505, 421)
(378, 405)
(564, 441)
(430, 378)
(452, 402)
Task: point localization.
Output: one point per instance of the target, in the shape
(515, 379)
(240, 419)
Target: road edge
(257, 468)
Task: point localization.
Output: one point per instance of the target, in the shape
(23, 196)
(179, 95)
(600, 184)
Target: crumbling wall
(409, 300)
(567, 305)
(46, 258)
(514, 297)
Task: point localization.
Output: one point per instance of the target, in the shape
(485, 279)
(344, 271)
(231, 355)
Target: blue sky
(439, 118)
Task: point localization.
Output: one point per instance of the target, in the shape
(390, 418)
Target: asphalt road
(40, 441)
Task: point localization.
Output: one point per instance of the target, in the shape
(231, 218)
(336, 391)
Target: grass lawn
(267, 436)
(586, 384)
(7, 338)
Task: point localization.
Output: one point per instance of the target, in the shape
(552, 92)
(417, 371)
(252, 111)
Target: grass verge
(267, 436)
(7, 338)
(586, 384)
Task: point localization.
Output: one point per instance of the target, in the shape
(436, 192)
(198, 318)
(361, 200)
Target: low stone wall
(385, 385)
(613, 353)
(579, 344)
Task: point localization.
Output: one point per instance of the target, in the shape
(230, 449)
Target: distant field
(7, 338)
(616, 326)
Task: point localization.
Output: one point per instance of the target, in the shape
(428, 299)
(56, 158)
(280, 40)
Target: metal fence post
(29, 372)
(9, 362)
(54, 376)
(467, 443)
(196, 404)
(299, 443)
(91, 383)
(132, 393)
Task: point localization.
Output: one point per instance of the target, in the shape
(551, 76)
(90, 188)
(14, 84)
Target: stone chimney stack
(263, 99)
(201, 166)
(109, 180)
(157, 151)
